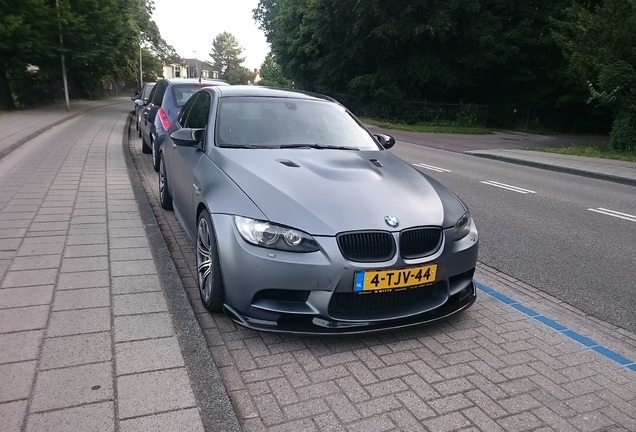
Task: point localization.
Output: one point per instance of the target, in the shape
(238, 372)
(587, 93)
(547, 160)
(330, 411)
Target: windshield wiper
(319, 146)
(247, 146)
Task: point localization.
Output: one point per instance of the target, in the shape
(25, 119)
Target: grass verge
(431, 128)
(591, 151)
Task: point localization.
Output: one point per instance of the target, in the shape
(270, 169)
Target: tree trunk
(6, 99)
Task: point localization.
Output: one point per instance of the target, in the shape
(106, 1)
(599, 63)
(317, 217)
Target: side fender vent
(288, 163)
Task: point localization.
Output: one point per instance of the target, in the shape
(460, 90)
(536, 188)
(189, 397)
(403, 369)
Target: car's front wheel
(165, 198)
(156, 156)
(208, 269)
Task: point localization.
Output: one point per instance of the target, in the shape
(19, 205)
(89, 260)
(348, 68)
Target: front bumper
(313, 293)
(304, 324)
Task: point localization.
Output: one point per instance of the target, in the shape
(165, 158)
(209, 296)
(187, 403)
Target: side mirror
(387, 141)
(187, 136)
(139, 102)
(135, 96)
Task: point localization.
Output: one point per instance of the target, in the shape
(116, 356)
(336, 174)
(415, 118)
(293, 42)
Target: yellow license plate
(395, 278)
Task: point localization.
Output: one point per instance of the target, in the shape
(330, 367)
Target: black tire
(156, 156)
(209, 277)
(144, 147)
(165, 198)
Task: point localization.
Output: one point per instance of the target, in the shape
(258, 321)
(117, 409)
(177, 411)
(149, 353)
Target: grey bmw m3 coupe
(303, 222)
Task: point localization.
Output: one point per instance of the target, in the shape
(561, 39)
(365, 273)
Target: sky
(190, 26)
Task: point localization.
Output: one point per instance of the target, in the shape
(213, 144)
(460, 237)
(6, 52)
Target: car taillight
(163, 118)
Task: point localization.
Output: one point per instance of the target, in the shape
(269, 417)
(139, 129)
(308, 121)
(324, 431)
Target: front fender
(220, 195)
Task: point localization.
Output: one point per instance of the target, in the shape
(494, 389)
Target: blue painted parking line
(589, 343)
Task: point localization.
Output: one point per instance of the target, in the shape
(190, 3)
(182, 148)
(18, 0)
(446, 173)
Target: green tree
(599, 41)
(272, 75)
(101, 41)
(27, 36)
(382, 51)
(226, 55)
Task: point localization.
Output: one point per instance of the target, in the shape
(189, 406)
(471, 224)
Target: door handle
(197, 189)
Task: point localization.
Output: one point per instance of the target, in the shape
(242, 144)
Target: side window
(157, 93)
(183, 115)
(200, 111)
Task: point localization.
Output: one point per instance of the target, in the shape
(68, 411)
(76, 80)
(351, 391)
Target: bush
(623, 135)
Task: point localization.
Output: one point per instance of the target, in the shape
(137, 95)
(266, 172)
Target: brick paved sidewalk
(87, 340)
(18, 127)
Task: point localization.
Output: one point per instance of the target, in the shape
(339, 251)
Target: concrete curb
(557, 168)
(215, 408)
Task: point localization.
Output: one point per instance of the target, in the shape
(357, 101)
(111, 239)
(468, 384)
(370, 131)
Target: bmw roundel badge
(391, 221)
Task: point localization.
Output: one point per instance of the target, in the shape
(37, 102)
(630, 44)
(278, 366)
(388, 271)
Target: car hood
(325, 192)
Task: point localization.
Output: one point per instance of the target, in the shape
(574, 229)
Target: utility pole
(141, 66)
(59, 23)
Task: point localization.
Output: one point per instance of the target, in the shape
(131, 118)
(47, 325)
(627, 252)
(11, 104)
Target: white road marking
(508, 187)
(614, 214)
(431, 167)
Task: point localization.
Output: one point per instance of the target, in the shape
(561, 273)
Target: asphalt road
(547, 237)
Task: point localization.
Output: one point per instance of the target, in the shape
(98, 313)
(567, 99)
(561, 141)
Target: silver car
(304, 223)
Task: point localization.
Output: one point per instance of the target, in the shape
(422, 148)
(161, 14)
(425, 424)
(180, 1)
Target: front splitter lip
(308, 326)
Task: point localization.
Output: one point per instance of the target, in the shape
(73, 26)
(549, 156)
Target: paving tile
(139, 327)
(154, 392)
(32, 296)
(12, 233)
(78, 385)
(97, 417)
(14, 223)
(40, 249)
(21, 346)
(148, 355)
(131, 268)
(92, 219)
(77, 239)
(16, 380)
(76, 350)
(24, 318)
(132, 304)
(82, 299)
(81, 251)
(25, 278)
(36, 263)
(10, 244)
(49, 226)
(135, 284)
(129, 242)
(130, 254)
(70, 265)
(94, 279)
(65, 323)
(12, 416)
(175, 421)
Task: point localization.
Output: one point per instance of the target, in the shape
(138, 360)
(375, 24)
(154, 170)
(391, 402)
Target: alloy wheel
(204, 260)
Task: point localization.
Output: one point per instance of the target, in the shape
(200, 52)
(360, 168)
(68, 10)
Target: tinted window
(199, 112)
(159, 91)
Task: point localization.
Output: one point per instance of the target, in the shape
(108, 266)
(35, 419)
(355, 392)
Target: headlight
(269, 235)
(462, 227)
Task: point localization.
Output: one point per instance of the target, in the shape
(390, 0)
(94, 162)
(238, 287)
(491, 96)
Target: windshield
(269, 122)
